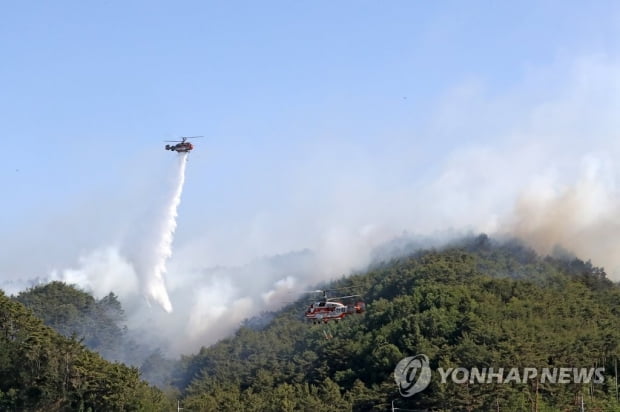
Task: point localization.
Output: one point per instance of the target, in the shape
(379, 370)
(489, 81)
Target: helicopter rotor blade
(345, 287)
(345, 297)
(330, 289)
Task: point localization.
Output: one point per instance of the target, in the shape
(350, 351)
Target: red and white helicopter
(328, 309)
(181, 146)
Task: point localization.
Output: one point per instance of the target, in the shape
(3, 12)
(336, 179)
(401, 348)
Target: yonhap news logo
(413, 374)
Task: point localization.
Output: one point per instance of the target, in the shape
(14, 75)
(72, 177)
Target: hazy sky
(330, 125)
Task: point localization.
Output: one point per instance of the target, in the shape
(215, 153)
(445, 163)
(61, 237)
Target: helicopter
(328, 309)
(181, 146)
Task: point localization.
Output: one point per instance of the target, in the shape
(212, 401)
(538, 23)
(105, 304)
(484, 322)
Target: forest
(41, 370)
(474, 303)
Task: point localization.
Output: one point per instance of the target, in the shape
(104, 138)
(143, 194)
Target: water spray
(155, 287)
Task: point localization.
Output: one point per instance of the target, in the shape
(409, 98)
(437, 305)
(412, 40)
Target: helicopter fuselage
(183, 147)
(325, 311)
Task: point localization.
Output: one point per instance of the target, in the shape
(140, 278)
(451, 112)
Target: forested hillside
(70, 311)
(41, 370)
(474, 304)
(477, 303)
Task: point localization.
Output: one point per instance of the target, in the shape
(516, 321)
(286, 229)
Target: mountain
(477, 303)
(41, 370)
(97, 323)
(71, 311)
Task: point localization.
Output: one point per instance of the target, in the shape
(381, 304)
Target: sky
(330, 128)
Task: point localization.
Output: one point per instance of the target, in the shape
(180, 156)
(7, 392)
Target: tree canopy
(40, 370)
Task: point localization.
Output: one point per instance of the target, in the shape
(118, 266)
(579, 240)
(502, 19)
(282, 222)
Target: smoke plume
(583, 218)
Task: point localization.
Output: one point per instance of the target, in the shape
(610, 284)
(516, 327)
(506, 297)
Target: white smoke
(102, 271)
